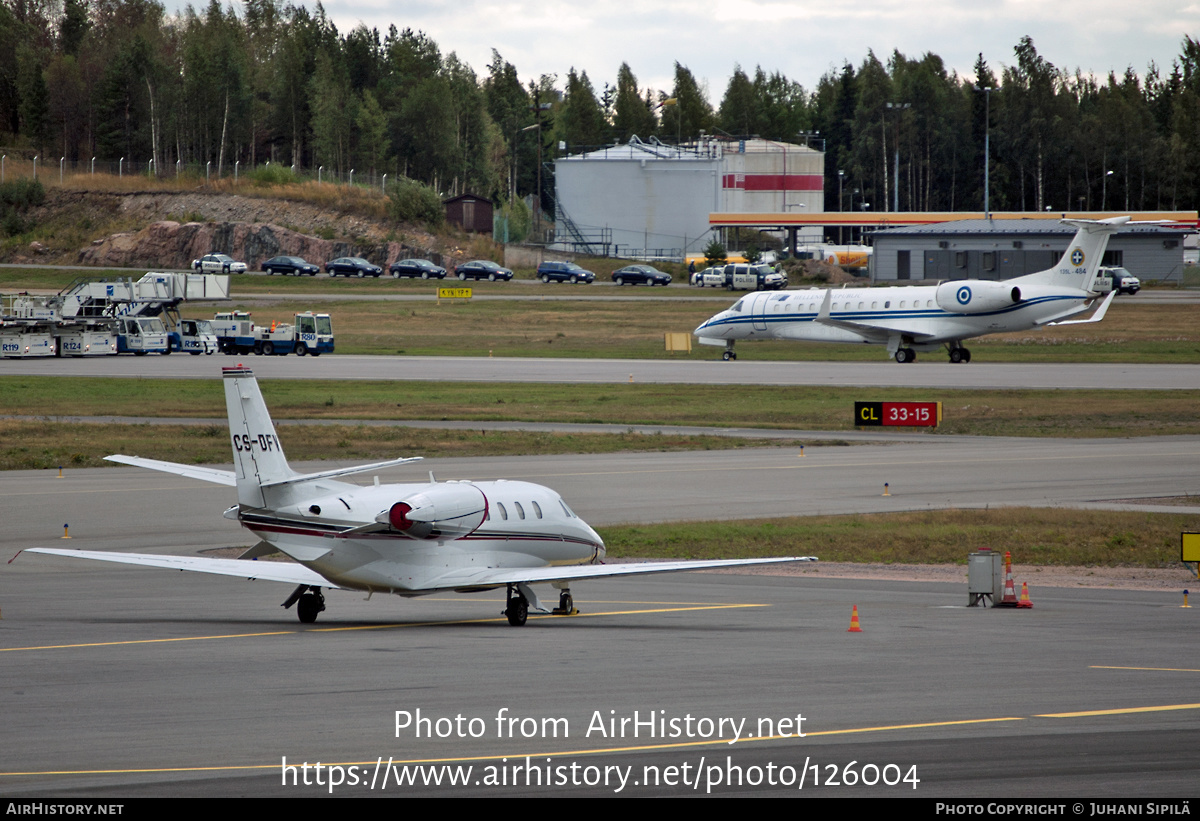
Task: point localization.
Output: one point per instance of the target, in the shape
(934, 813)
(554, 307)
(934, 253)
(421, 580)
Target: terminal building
(653, 201)
(1005, 248)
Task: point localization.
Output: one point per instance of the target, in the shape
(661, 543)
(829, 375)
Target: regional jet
(907, 319)
(404, 539)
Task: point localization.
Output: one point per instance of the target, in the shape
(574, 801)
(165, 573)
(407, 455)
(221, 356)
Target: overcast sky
(801, 38)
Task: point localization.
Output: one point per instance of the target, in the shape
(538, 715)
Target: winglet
(823, 314)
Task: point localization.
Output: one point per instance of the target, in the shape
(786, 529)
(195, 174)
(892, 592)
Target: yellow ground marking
(373, 627)
(539, 617)
(605, 750)
(147, 641)
(1122, 711)
(1156, 669)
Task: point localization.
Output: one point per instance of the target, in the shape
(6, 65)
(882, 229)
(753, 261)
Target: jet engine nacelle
(976, 296)
(440, 511)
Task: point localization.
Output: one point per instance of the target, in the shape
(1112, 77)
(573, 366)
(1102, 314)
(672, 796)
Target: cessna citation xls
(407, 539)
(908, 319)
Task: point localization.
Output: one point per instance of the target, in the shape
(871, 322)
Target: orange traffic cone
(1010, 591)
(1024, 602)
(854, 628)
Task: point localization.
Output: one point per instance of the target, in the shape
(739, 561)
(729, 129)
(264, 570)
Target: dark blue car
(352, 267)
(482, 269)
(290, 265)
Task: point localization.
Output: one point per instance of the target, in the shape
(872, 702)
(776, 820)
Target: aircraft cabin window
(520, 510)
(887, 304)
(874, 305)
(902, 303)
(537, 509)
(503, 512)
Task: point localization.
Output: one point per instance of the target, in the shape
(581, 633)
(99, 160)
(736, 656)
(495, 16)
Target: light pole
(987, 154)
(898, 107)
(841, 179)
(1103, 196)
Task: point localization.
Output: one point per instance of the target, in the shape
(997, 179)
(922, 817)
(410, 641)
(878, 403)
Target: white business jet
(908, 319)
(406, 539)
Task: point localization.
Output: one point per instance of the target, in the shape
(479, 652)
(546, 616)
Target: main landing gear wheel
(906, 355)
(960, 355)
(566, 604)
(310, 603)
(728, 355)
(517, 609)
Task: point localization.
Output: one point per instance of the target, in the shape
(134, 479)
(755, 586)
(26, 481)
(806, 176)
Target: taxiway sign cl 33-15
(406, 539)
(915, 318)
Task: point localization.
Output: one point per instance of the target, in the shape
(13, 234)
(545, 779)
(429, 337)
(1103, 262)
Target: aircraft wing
(217, 477)
(486, 577)
(289, 572)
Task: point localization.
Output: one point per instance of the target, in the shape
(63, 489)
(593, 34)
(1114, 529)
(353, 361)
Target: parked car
(640, 274)
(218, 264)
(1123, 281)
(483, 269)
(422, 268)
(290, 265)
(564, 272)
(753, 278)
(352, 267)
(709, 278)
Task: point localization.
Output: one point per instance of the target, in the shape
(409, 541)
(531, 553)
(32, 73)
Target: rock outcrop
(172, 245)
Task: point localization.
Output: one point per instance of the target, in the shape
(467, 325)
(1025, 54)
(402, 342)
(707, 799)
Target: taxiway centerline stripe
(148, 641)
(636, 748)
(370, 627)
(1122, 711)
(1155, 669)
(536, 617)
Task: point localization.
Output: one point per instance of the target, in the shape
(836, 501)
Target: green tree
(333, 107)
(631, 115)
(739, 111)
(690, 114)
(581, 121)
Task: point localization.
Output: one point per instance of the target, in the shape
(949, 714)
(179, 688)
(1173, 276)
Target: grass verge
(49, 445)
(1038, 536)
(1076, 413)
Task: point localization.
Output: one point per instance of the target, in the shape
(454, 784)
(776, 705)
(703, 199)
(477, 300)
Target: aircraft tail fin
(258, 457)
(1078, 266)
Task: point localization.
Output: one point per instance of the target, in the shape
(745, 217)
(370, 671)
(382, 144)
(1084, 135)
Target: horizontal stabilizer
(329, 474)
(289, 572)
(217, 477)
(1096, 317)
